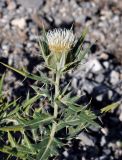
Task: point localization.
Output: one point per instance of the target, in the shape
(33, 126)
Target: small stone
(99, 98)
(99, 78)
(120, 117)
(34, 4)
(74, 82)
(94, 65)
(106, 64)
(104, 131)
(11, 5)
(87, 86)
(114, 77)
(110, 94)
(104, 56)
(5, 47)
(107, 151)
(19, 22)
(103, 141)
(65, 153)
(85, 139)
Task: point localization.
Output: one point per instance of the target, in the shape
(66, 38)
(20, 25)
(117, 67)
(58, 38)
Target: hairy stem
(56, 94)
(54, 125)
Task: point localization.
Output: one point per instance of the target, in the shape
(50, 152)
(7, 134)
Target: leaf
(30, 101)
(42, 155)
(65, 90)
(80, 41)
(61, 63)
(82, 53)
(47, 149)
(43, 44)
(1, 84)
(12, 151)
(69, 66)
(29, 75)
(46, 152)
(28, 143)
(110, 107)
(77, 48)
(43, 119)
(11, 140)
(41, 91)
(29, 124)
(12, 128)
(51, 62)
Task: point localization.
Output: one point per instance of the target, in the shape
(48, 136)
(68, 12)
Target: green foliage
(110, 107)
(38, 120)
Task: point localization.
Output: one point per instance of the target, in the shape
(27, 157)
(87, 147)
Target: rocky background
(99, 79)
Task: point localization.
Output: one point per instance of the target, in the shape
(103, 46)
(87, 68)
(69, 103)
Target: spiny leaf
(82, 53)
(28, 143)
(80, 41)
(51, 62)
(1, 84)
(110, 107)
(77, 48)
(30, 101)
(11, 140)
(43, 45)
(26, 125)
(41, 91)
(12, 128)
(12, 152)
(47, 149)
(29, 75)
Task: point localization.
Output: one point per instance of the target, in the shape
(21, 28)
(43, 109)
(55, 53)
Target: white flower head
(60, 40)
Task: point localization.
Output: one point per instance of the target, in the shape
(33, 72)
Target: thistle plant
(40, 126)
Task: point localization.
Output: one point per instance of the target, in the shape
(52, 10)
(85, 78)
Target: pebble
(104, 131)
(94, 65)
(19, 22)
(103, 141)
(114, 77)
(34, 4)
(99, 78)
(110, 94)
(85, 139)
(88, 86)
(106, 64)
(11, 5)
(66, 154)
(100, 97)
(104, 56)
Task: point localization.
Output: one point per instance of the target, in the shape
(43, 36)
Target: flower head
(60, 40)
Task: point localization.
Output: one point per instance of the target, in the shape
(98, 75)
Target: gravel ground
(100, 78)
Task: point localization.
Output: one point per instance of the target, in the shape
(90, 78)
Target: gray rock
(19, 22)
(94, 65)
(66, 154)
(106, 64)
(103, 141)
(99, 78)
(86, 139)
(114, 77)
(11, 5)
(99, 97)
(34, 4)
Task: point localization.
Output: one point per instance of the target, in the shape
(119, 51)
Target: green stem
(54, 125)
(56, 94)
(52, 134)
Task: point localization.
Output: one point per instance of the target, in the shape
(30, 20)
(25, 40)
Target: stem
(56, 94)
(52, 134)
(54, 125)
